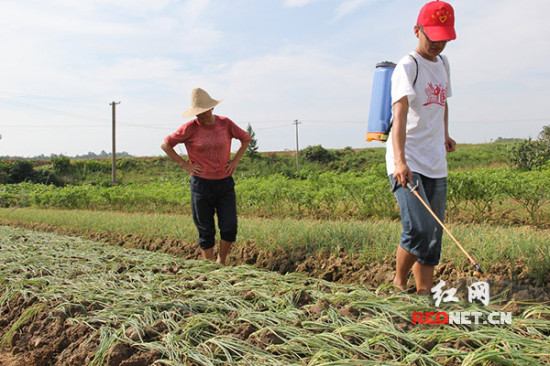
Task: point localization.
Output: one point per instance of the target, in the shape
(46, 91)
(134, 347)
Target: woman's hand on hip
(193, 168)
(231, 166)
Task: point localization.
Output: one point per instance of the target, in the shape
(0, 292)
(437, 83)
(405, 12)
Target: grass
(367, 240)
(290, 319)
(27, 316)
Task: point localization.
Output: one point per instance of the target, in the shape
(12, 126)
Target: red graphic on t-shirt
(436, 94)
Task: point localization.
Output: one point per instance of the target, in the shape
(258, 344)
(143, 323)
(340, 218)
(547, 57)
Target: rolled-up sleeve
(178, 137)
(238, 133)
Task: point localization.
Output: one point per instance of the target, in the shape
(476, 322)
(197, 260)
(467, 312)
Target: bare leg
(208, 253)
(424, 277)
(225, 246)
(404, 263)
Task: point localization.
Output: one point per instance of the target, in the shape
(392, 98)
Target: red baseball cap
(437, 18)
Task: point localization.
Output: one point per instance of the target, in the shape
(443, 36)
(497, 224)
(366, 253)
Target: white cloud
(194, 9)
(519, 33)
(298, 3)
(499, 69)
(150, 54)
(146, 69)
(346, 7)
(294, 83)
(43, 19)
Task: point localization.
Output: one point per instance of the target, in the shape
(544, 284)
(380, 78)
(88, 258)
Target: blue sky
(271, 61)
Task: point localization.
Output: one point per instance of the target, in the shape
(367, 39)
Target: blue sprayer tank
(380, 104)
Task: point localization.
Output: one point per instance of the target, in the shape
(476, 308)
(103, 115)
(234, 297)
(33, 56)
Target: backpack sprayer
(380, 106)
(380, 114)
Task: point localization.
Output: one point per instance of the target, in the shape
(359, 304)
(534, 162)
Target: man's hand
(403, 174)
(450, 144)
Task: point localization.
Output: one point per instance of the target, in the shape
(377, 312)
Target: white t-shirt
(425, 151)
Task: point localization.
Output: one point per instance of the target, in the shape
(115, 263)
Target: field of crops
(69, 301)
(500, 195)
(117, 280)
(349, 251)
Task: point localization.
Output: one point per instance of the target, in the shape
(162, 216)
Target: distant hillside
(91, 155)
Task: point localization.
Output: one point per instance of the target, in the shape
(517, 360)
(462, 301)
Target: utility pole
(297, 149)
(113, 168)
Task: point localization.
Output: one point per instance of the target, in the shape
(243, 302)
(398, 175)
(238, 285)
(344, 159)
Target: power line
(51, 126)
(272, 127)
(103, 121)
(36, 96)
(49, 110)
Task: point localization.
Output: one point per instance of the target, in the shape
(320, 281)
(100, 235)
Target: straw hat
(200, 103)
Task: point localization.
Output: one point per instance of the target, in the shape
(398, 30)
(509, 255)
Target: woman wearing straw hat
(207, 140)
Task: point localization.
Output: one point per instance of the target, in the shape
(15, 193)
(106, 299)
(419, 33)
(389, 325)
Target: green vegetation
(63, 170)
(532, 155)
(196, 312)
(337, 208)
(335, 186)
(95, 169)
(367, 241)
(252, 148)
(498, 195)
(90, 155)
(330, 204)
(13, 172)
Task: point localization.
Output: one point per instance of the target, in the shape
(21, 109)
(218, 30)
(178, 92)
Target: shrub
(530, 155)
(61, 164)
(20, 171)
(481, 188)
(318, 154)
(4, 172)
(530, 189)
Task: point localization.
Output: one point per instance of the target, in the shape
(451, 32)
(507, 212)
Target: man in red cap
(418, 144)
